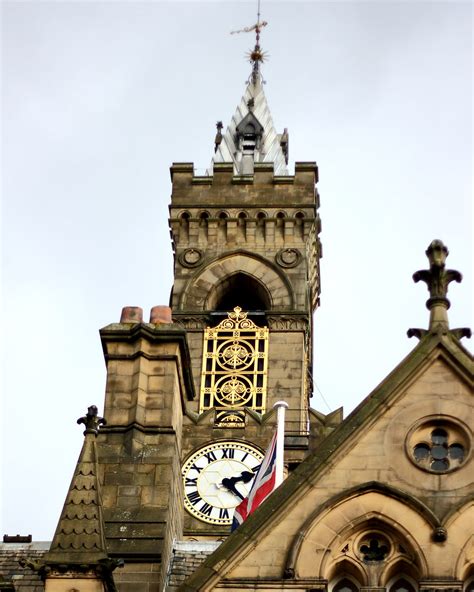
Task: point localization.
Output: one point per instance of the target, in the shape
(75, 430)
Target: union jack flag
(262, 487)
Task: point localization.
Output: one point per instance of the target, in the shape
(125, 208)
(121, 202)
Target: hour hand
(229, 484)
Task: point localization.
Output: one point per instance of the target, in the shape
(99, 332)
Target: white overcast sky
(99, 98)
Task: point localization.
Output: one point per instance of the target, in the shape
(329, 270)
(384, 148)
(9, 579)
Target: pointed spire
(79, 536)
(251, 136)
(437, 279)
(79, 544)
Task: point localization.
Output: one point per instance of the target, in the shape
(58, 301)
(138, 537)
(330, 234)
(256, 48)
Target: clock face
(217, 478)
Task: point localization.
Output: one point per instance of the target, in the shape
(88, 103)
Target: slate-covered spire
(79, 545)
(251, 136)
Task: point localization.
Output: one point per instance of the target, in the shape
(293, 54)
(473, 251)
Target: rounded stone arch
(318, 547)
(202, 288)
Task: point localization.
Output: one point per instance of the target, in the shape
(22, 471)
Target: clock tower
(246, 283)
(190, 394)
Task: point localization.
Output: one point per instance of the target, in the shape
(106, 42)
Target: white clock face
(217, 478)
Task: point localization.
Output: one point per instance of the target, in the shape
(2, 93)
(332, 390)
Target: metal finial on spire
(437, 279)
(256, 55)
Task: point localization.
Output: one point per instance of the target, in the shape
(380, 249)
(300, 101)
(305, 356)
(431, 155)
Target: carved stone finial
(218, 138)
(92, 421)
(440, 534)
(437, 279)
(284, 143)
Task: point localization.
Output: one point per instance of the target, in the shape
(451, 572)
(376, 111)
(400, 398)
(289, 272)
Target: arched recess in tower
(239, 289)
(234, 277)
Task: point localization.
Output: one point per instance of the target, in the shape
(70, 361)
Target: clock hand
(229, 484)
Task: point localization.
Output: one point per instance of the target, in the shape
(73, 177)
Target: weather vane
(256, 55)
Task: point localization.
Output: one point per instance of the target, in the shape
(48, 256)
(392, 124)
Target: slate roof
(271, 150)
(187, 557)
(23, 579)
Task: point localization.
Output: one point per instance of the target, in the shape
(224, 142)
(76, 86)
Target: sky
(99, 98)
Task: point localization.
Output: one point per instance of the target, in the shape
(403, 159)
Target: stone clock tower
(246, 269)
(190, 394)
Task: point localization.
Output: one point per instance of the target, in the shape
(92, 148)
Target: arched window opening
(280, 217)
(402, 585)
(249, 138)
(299, 223)
(261, 218)
(241, 218)
(403, 574)
(184, 225)
(404, 578)
(240, 289)
(222, 218)
(346, 584)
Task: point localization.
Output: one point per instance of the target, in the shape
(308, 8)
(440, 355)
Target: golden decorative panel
(234, 368)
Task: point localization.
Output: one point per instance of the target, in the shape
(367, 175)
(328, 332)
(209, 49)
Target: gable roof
(431, 347)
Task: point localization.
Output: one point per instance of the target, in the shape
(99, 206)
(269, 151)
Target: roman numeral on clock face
(210, 456)
(229, 453)
(223, 513)
(206, 509)
(194, 497)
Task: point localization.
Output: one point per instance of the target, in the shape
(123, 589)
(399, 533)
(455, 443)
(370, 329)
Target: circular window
(438, 446)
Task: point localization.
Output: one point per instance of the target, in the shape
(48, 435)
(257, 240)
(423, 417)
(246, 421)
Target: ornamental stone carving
(288, 257)
(190, 258)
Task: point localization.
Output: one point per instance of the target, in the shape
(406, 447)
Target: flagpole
(280, 406)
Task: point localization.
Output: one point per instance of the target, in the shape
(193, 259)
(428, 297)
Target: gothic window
(378, 550)
(234, 367)
(346, 585)
(438, 447)
(401, 584)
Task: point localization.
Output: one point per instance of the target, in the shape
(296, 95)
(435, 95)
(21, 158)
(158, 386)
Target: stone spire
(437, 279)
(251, 136)
(78, 550)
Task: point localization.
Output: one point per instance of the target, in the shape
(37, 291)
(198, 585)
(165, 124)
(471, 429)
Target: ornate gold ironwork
(234, 367)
